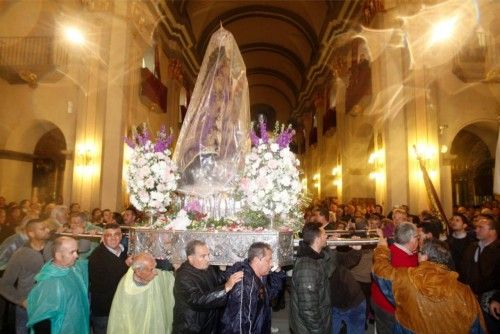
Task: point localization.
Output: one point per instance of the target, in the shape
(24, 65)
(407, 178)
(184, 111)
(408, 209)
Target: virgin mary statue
(214, 136)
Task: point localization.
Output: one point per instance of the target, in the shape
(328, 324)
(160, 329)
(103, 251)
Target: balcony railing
(36, 55)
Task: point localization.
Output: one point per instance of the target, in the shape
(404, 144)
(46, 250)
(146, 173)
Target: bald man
(60, 295)
(19, 277)
(144, 299)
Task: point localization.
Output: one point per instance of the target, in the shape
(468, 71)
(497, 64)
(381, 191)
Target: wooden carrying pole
(434, 201)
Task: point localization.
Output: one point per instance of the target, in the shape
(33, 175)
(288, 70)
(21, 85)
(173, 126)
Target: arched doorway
(48, 167)
(472, 168)
(265, 110)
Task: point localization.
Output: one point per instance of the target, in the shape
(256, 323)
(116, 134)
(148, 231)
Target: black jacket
(199, 298)
(345, 291)
(105, 271)
(310, 304)
(484, 275)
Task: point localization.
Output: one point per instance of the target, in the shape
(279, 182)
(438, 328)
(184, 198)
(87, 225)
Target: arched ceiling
(281, 41)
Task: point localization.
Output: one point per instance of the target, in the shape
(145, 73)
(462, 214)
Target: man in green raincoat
(60, 296)
(144, 300)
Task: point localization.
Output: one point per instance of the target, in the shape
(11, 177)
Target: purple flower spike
(169, 140)
(160, 146)
(285, 138)
(263, 132)
(130, 143)
(163, 140)
(254, 138)
(143, 136)
(145, 133)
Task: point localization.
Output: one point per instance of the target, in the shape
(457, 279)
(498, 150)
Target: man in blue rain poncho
(59, 297)
(144, 300)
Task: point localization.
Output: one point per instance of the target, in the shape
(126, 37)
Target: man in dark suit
(107, 265)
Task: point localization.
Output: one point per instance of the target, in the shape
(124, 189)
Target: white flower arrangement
(270, 182)
(151, 176)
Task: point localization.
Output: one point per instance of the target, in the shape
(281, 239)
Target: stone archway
(267, 111)
(472, 167)
(48, 166)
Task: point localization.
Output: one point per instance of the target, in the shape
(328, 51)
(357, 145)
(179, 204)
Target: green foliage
(208, 224)
(254, 219)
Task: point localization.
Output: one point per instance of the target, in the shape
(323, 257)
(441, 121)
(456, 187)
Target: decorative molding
(175, 70)
(318, 69)
(143, 20)
(98, 5)
(32, 59)
(16, 156)
(179, 32)
(30, 77)
(269, 12)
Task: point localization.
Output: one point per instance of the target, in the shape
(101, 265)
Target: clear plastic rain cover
(214, 136)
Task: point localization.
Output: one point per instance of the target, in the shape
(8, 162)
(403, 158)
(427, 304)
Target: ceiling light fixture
(74, 35)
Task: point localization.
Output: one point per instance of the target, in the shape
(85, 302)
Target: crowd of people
(423, 276)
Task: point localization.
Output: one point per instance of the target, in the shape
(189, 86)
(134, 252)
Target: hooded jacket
(61, 295)
(310, 304)
(428, 298)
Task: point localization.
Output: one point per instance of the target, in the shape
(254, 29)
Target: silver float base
(226, 248)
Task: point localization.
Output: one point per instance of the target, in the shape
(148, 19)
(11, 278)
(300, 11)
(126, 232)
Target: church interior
(372, 88)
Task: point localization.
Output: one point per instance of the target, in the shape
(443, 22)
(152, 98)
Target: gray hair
(437, 251)
(404, 232)
(140, 261)
(58, 210)
(191, 246)
(258, 250)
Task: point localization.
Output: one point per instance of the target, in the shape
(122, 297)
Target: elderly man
(403, 254)
(428, 298)
(18, 279)
(144, 299)
(200, 292)
(106, 268)
(78, 225)
(248, 308)
(61, 293)
(58, 217)
(310, 304)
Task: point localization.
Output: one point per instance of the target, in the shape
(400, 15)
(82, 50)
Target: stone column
(112, 148)
(496, 185)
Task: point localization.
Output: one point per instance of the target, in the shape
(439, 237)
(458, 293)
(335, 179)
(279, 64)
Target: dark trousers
(492, 323)
(384, 321)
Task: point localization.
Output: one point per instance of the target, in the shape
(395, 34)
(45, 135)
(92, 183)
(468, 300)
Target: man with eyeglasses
(107, 265)
(403, 254)
(429, 298)
(481, 269)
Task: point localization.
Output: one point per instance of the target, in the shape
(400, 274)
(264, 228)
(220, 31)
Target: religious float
(229, 182)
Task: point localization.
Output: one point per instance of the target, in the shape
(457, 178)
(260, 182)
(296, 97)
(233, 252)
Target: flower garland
(270, 182)
(151, 175)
